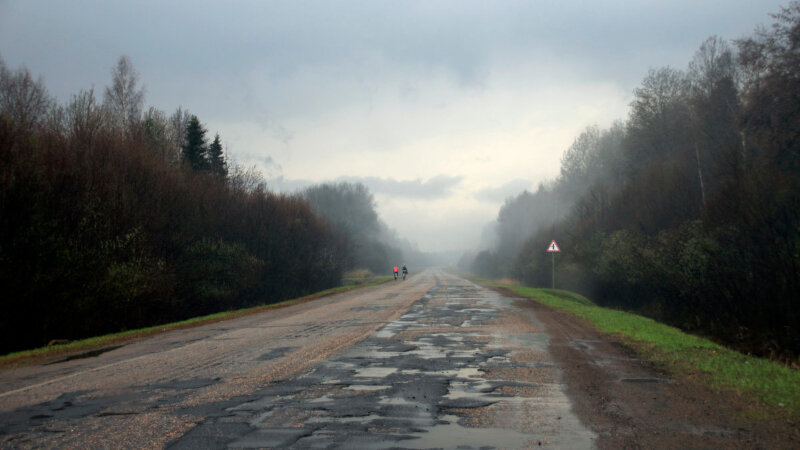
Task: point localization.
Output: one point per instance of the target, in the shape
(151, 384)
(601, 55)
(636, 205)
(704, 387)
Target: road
(433, 361)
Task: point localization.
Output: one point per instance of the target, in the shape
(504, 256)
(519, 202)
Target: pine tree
(195, 147)
(216, 159)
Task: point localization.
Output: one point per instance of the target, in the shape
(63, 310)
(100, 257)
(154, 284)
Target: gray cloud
(285, 38)
(269, 162)
(499, 194)
(437, 187)
(282, 184)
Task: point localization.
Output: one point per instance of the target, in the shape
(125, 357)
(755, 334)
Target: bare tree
(23, 101)
(577, 163)
(85, 117)
(658, 119)
(655, 100)
(713, 63)
(771, 63)
(246, 179)
(123, 98)
(178, 122)
(714, 78)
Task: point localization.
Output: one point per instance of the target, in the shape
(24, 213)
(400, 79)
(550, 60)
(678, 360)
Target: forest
(688, 211)
(116, 217)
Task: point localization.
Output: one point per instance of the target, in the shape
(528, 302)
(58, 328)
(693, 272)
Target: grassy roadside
(771, 383)
(27, 357)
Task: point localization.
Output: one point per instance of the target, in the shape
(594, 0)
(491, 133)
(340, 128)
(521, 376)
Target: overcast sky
(442, 108)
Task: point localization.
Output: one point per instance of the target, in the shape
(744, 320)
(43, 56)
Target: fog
(442, 109)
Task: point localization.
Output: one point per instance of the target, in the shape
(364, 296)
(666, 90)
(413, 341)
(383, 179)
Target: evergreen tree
(195, 147)
(216, 159)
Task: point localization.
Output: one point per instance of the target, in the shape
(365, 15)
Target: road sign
(553, 249)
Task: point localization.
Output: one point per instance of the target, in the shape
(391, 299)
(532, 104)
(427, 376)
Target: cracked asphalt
(431, 362)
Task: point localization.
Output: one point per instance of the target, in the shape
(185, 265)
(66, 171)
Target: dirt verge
(631, 403)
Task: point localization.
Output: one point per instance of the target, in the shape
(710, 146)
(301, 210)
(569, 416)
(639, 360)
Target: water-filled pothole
(644, 380)
(91, 354)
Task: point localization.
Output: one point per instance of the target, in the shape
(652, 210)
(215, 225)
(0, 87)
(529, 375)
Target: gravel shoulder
(630, 403)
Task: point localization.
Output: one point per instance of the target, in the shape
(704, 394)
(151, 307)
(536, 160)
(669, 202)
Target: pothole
(644, 380)
(91, 354)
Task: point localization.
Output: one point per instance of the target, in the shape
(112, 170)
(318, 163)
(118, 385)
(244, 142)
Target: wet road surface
(433, 361)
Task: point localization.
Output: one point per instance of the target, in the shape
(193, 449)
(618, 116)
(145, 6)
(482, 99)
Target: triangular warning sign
(553, 248)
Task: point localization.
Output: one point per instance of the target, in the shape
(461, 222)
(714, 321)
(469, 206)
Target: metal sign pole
(553, 248)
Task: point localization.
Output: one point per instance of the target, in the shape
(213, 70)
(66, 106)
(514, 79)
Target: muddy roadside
(631, 403)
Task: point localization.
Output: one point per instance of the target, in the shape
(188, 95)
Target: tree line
(116, 217)
(689, 210)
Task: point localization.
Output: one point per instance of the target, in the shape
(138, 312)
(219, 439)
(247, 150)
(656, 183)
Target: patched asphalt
(418, 382)
(460, 368)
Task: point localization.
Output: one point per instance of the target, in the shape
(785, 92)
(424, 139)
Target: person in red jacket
(395, 272)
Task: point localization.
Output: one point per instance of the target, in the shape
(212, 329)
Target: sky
(442, 108)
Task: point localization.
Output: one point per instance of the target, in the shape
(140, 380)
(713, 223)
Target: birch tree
(124, 99)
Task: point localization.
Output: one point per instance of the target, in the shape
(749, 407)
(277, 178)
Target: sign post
(553, 249)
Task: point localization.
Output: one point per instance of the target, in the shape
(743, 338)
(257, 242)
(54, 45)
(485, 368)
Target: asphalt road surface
(434, 361)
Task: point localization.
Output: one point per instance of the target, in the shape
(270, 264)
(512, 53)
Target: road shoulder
(631, 403)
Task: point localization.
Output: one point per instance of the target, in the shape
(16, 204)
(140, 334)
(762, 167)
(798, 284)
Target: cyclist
(395, 272)
(405, 271)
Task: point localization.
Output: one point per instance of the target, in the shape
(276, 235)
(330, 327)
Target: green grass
(722, 369)
(358, 276)
(32, 356)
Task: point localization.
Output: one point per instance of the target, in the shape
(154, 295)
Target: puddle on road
(647, 380)
(449, 434)
(366, 387)
(475, 391)
(530, 341)
(391, 329)
(84, 355)
(323, 399)
(397, 401)
(363, 420)
(275, 353)
(375, 372)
